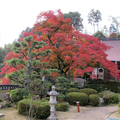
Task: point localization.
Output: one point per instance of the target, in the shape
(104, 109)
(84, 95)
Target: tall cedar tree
(26, 62)
(73, 51)
(76, 20)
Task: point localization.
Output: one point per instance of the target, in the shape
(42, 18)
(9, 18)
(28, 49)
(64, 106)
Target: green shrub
(101, 94)
(75, 96)
(101, 85)
(41, 109)
(1, 100)
(95, 84)
(61, 106)
(45, 99)
(88, 91)
(118, 36)
(63, 85)
(62, 97)
(7, 104)
(94, 99)
(109, 97)
(18, 94)
(73, 90)
(113, 86)
(119, 108)
(41, 88)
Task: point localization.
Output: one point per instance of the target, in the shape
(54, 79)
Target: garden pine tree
(26, 64)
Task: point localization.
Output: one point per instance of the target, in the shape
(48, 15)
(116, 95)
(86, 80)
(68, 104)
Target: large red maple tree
(73, 53)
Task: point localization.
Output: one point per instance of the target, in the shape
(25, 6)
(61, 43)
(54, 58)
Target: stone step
(1, 114)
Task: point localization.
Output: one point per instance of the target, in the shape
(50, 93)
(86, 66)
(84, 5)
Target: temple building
(113, 55)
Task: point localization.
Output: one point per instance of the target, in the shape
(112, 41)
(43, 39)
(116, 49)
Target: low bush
(75, 96)
(40, 109)
(94, 99)
(119, 108)
(1, 100)
(62, 97)
(109, 97)
(73, 90)
(88, 91)
(18, 94)
(8, 104)
(61, 106)
(45, 99)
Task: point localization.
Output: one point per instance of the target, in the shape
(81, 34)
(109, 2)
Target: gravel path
(98, 113)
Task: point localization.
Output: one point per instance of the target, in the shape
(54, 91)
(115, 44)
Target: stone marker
(7, 97)
(1, 114)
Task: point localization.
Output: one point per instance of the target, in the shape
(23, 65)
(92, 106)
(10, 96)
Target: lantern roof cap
(53, 92)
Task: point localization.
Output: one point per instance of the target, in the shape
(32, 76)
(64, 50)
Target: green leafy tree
(40, 87)
(76, 20)
(3, 52)
(112, 28)
(99, 35)
(2, 55)
(26, 63)
(94, 17)
(115, 23)
(105, 30)
(7, 48)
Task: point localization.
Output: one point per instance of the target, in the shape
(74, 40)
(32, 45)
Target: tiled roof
(113, 53)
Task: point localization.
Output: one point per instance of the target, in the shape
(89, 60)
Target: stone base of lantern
(52, 117)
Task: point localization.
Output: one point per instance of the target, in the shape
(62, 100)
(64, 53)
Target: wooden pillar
(116, 64)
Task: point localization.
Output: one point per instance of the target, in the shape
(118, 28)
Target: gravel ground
(11, 113)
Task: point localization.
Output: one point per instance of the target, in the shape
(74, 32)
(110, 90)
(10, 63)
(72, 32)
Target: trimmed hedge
(109, 97)
(101, 85)
(119, 108)
(94, 99)
(88, 91)
(61, 106)
(18, 94)
(113, 86)
(73, 90)
(76, 96)
(41, 109)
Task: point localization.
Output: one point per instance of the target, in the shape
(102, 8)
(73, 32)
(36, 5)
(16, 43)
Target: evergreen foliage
(76, 96)
(99, 35)
(18, 94)
(39, 109)
(94, 99)
(61, 106)
(27, 63)
(88, 91)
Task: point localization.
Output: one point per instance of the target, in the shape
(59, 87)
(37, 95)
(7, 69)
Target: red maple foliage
(72, 51)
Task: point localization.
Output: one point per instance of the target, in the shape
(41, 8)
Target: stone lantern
(52, 102)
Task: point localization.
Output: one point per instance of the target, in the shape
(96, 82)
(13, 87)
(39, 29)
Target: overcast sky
(16, 15)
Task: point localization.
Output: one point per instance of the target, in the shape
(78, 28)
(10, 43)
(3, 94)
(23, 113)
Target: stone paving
(97, 113)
